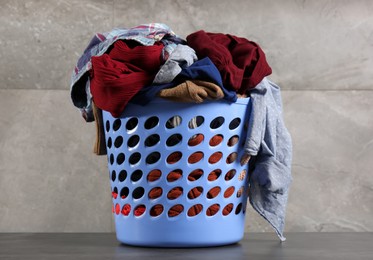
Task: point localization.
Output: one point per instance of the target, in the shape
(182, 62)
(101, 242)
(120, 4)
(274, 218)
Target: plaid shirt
(146, 34)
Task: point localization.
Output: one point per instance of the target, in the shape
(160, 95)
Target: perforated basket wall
(175, 173)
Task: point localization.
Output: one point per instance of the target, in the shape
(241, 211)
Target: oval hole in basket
(230, 174)
(113, 175)
(109, 142)
(242, 175)
(212, 210)
(216, 140)
(175, 210)
(154, 175)
(195, 192)
(133, 141)
(174, 140)
(153, 158)
(231, 157)
(126, 209)
(174, 175)
(139, 210)
(155, 193)
(217, 122)
(124, 192)
(195, 210)
(195, 122)
(174, 157)
(138, 193)
(120, 158)
(240, 192)
(152, 140)
(215, 157)
(117, 124)
(156, 210)
(134, 158)
(151, 122)
(195, 140)
(173, 122)
(118, 141)
(195, 157)
(214, 175)
(233, 140)
(132, 123)
(234, 123)
(175, 193)
(213, 192)
(227, 209)
(238, 208)
(136, 175)
(117, 208)
(228, 192)
(114, 193)
(111, 159)
(195, 175)
(122, 175)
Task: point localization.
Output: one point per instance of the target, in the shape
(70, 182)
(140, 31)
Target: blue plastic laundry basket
(140, 144)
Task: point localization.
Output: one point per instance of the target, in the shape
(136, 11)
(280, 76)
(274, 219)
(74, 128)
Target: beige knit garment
(192, 91)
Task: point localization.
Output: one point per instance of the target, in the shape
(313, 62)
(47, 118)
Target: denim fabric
(182, 57)
(269, 143)
(146, 35)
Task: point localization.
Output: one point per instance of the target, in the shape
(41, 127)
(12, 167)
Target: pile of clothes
(140, 63)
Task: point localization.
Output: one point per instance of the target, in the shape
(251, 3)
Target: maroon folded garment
(241, 63)
(146, 58)
(119, 74)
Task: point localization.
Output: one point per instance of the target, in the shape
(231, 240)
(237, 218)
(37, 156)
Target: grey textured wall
(321, 53)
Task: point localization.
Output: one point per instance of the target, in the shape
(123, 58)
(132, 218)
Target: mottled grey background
(321, 53)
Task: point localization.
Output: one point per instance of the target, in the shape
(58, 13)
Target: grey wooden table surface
(299, 246)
